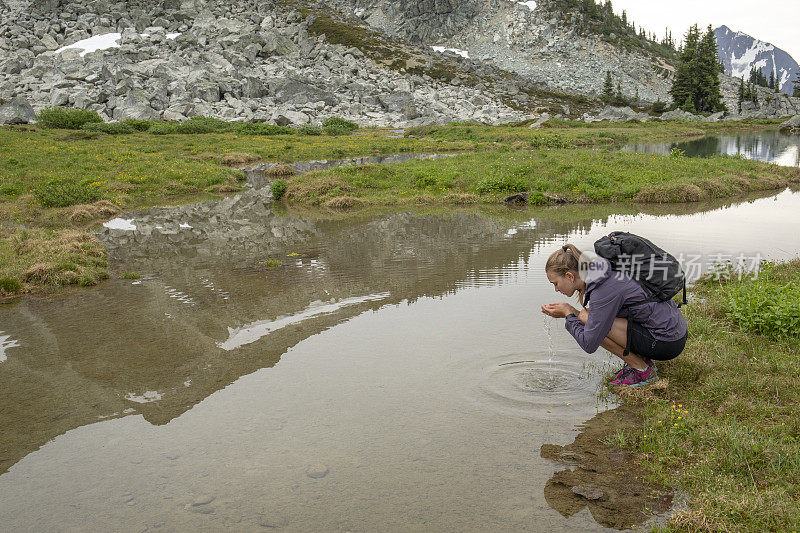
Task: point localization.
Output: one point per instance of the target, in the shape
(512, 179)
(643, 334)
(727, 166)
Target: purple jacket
(610, 291)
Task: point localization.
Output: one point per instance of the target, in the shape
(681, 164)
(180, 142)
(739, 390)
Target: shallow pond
(392, 372)
(768, 146)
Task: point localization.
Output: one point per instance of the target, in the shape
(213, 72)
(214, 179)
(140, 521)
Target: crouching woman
(617, 317)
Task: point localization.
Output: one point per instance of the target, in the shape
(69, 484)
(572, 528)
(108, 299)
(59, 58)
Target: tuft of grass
(66, 119)
(278, 188)
(35, 260)
(271, 263)
(64, 192)
(110, 128)
(338, 126)
(253, 128)
(197, 125)
(309, 129)
(130, 275)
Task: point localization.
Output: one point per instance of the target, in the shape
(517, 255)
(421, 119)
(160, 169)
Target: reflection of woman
(657, 329)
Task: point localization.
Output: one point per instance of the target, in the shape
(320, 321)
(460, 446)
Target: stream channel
(392, 373)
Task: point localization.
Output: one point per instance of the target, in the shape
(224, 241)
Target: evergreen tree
(741, 94)
(771, 83)
(608, 89)
(685, 82)
(796, 91)
(696, 86)
(618, 98)
(708, 96)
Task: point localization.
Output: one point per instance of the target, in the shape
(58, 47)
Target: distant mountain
(740, 52)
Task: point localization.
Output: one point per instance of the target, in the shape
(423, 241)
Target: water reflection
(769, 146)
(387, 370)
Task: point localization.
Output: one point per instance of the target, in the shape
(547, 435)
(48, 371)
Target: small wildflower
(676, 425)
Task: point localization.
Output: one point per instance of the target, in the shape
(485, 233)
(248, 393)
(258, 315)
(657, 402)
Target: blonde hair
(567, 259)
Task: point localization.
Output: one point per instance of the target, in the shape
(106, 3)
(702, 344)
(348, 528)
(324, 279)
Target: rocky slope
(232, 60)
(297, 61)
(534, 39)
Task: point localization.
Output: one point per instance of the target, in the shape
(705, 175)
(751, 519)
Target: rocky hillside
(277, 62)
(301, 61)
(540, 40)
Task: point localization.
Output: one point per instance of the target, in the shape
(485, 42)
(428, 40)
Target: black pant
(643, 344)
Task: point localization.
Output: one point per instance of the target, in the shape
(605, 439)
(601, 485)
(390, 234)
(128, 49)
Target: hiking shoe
(626, 368)
(634, 378)
(622, 372)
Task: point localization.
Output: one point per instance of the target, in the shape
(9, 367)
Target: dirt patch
(86, 212)
(317, 188)
(601, 477)
(237, 159)
(231, 159)
(679, 192)
(280, 171)
(344, 202)
(78, 136)
(461, 198)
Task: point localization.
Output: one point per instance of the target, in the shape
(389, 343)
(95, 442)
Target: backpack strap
(628, 333)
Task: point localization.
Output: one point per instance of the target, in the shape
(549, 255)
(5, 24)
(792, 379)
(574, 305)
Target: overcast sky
(774, 21)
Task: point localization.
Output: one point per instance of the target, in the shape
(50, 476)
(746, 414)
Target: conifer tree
(684, 84)
(608, 89)
(796, 91)
(771, 83)
(708, 96)
(696, 87)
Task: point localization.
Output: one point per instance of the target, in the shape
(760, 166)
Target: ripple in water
(532, 385)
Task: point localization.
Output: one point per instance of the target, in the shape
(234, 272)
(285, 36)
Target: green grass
(55, 179)
(578, 175)
(726, 429)
(39, 259)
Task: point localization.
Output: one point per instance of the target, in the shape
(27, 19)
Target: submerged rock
(317, 471)
(792, 125)
(590, 493)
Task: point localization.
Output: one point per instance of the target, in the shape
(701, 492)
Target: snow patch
(530, 4)
(740, 66)
(442, 49)
(6, 342)
(101, 42)
(146, 397)
(94, 43)
(120, 223)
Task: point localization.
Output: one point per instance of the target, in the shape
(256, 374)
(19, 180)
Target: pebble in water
(201, 504)
(317, 471)
(272, 520)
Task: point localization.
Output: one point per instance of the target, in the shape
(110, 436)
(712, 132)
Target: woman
(658, 329)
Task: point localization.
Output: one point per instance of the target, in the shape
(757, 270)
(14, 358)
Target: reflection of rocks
(601, 477)
(241, 226)
(762, 146)
(174, 337)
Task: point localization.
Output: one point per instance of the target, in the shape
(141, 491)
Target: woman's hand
(558, 310)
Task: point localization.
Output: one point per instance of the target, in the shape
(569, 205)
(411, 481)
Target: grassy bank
(724, 424)
(61, 181)
(572, 133)
(577, 175)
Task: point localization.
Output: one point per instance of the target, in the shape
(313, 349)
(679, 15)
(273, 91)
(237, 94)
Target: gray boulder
(792, 125)
(298, 92)
(17, 111)
(135, 105)
(680, 114)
